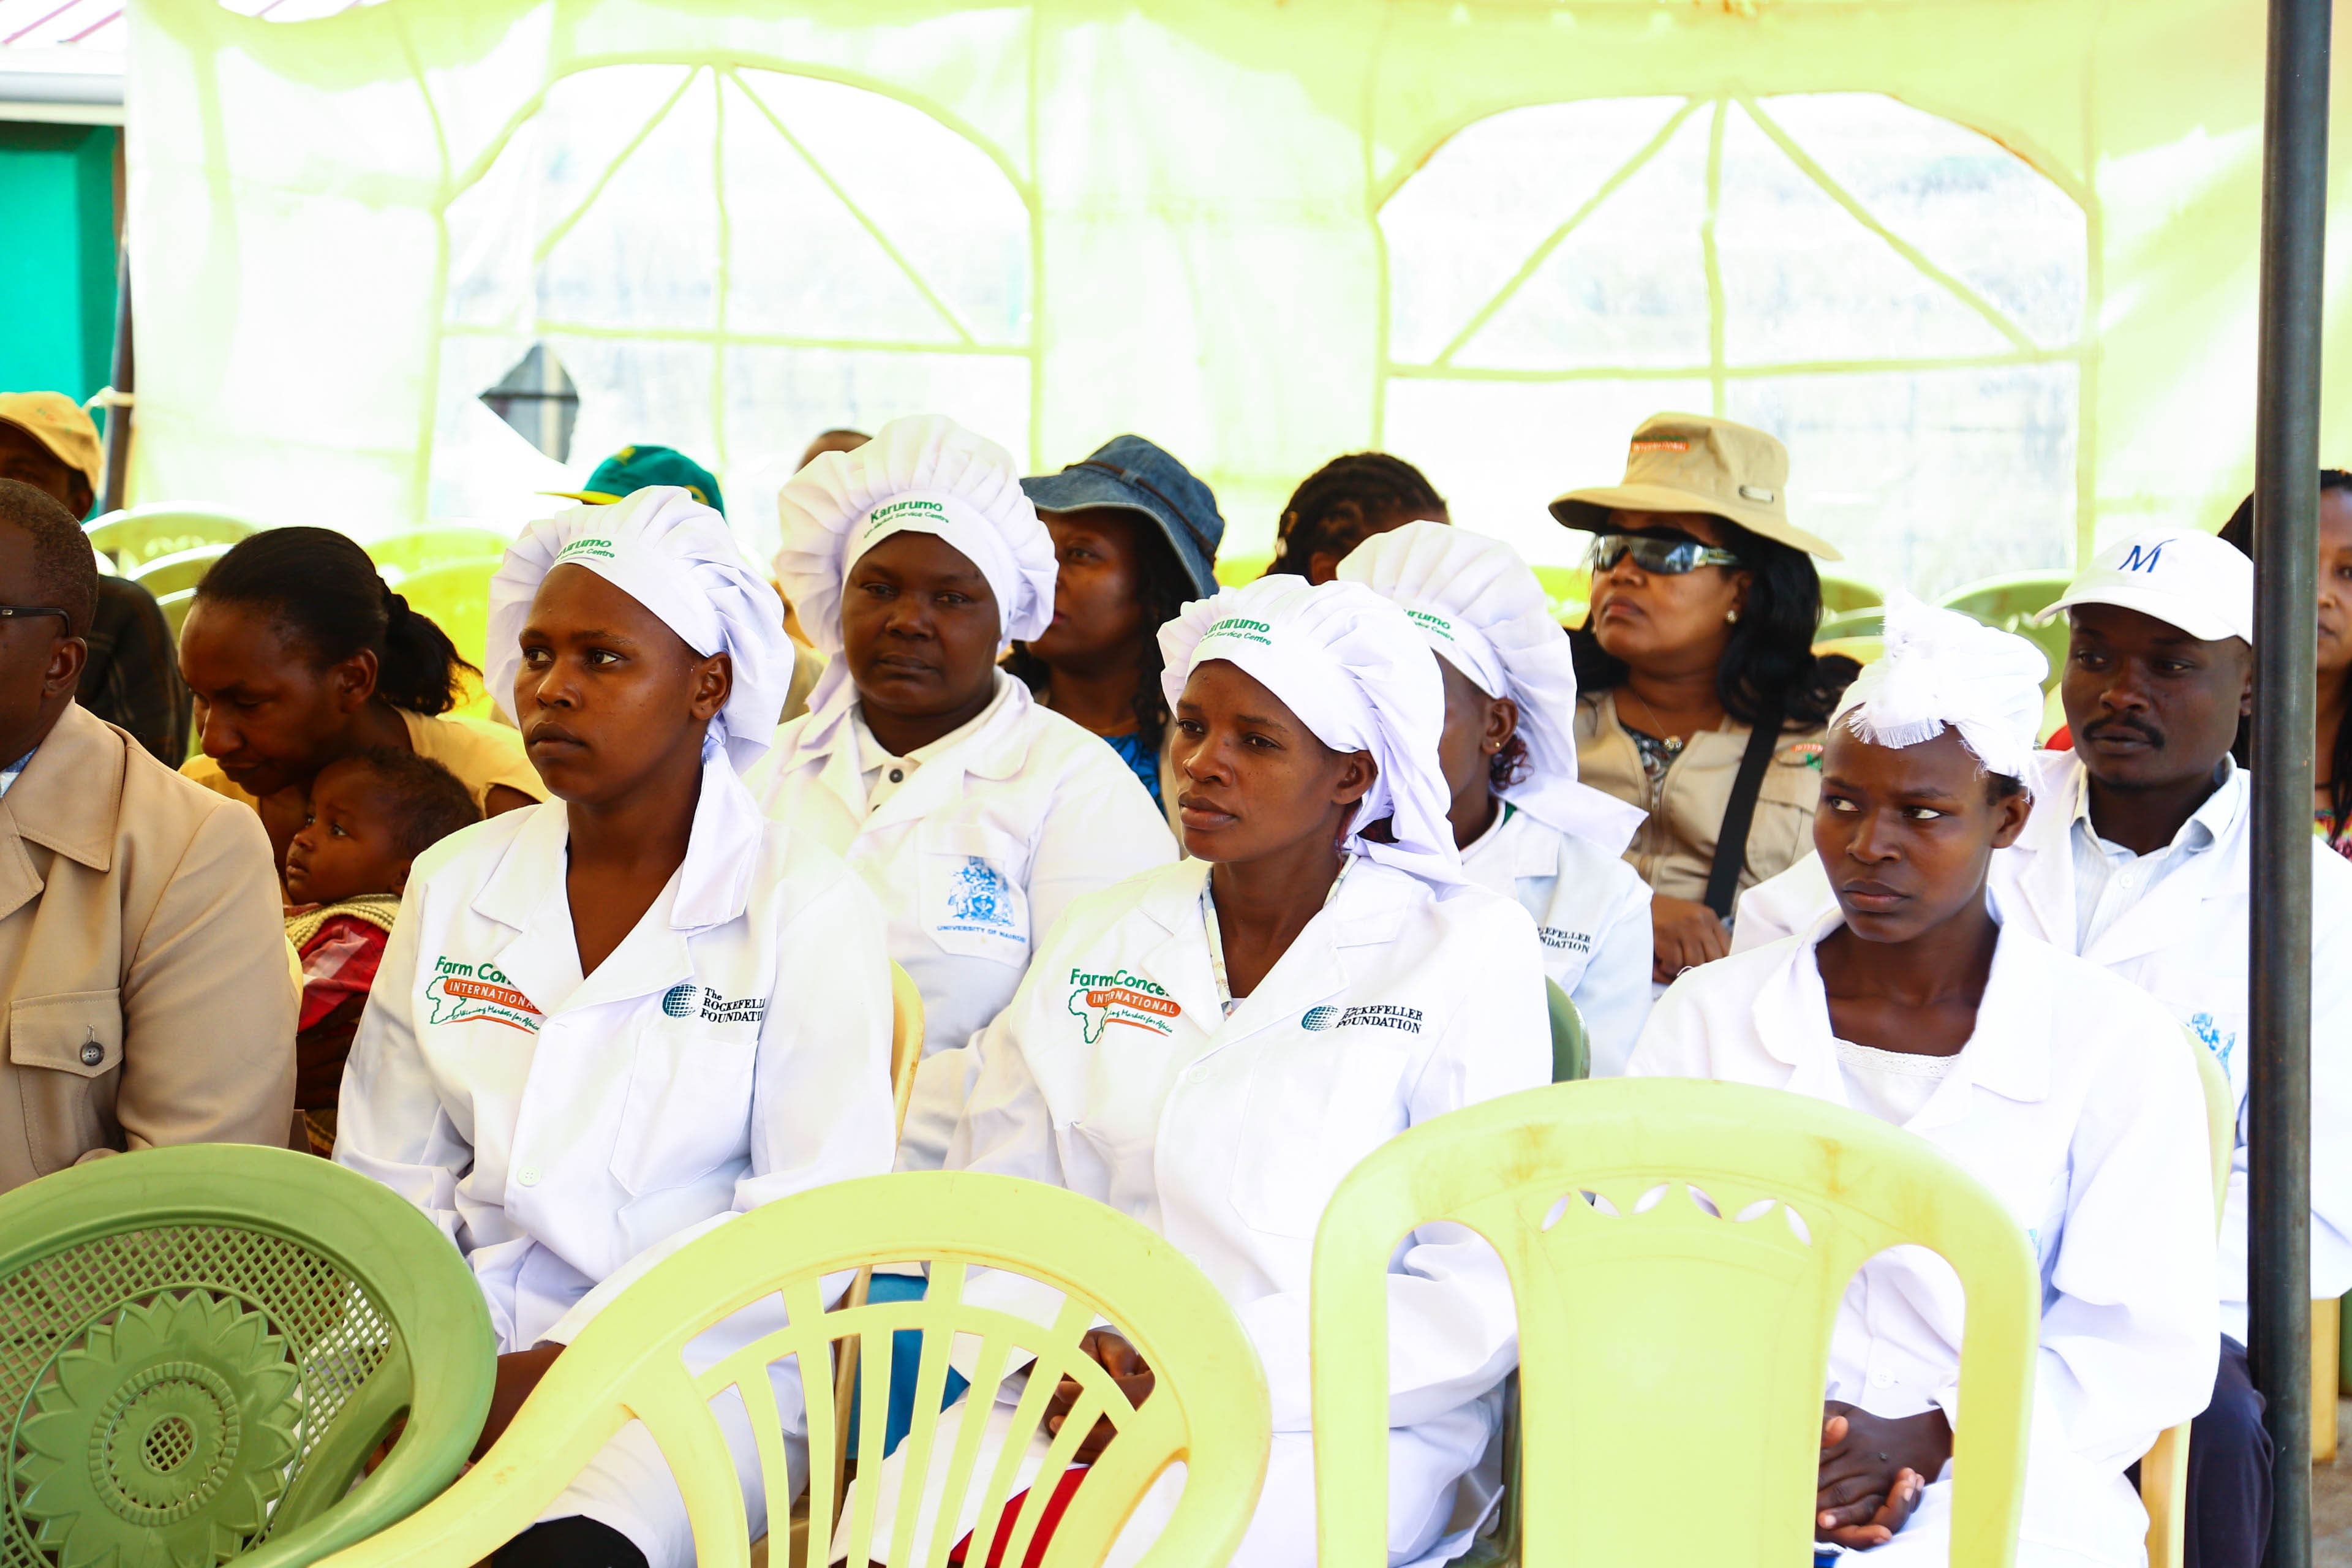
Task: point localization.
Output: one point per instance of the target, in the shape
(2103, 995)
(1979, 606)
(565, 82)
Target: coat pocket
(1314, 1111)
(689, 1109)
(65, 1052)
(973, 887)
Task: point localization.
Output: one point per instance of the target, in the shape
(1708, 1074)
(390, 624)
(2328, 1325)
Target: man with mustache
(2138, 856)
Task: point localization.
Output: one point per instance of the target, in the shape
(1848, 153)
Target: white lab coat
(976, 855)
(734, 1049)
(2077, 1103)
(2184, 943)
(1592, 913)
(1228, 1135)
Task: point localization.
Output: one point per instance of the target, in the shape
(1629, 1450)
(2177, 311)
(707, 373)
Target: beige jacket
(143, 953)
(1674, 848)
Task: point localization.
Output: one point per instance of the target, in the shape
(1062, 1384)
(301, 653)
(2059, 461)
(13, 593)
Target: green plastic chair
(201, 1346)
(1840, 592)
(1694, 1292)
(400, 555)
(1867, 622)
(180, 571)
(176, 606)
(2011, 600)
(1236, 571)
(1568, 593)
(1571, 1049)
(455, 596)
(1208, 1412)
(136, 536)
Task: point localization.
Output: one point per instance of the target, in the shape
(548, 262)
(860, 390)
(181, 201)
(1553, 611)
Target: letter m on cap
(2140, 559)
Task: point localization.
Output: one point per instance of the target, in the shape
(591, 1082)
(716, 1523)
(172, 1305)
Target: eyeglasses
(18, 612)
(1657, 553)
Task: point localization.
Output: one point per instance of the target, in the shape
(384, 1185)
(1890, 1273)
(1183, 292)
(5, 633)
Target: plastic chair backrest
(1571, 1049)
(180, 569)
(1568, 592)
(1208, 1410)
(139, 534)
(455, 596)
(1693, 1291)
(2008, 600)
(1840, 592)
(2164, 1471)
(200, 1347)
(175, 607)
(1867, 622)
(402, 555)
(1862, 650)
(1233, 571)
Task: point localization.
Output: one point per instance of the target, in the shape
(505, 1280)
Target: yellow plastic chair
(177, 573)
(1840, 593)
(1867, 622)
(175, 607)
(403, 554)
(2164, 1471)
(136, 536)
(1862, 650)
(456, 597)
(1568, 593)
(2011, 600)
(1207, 1411)
(1693, 1291)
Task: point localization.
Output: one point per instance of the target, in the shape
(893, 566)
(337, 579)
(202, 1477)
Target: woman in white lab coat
(975, 815)
(2065, 1090)
(713, 987)
(1526, 828)
(1210, 1047)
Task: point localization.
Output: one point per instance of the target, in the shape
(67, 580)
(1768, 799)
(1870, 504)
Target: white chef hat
(1944, 670)
(677, 557)
(1347, 663)
(1480, 608)
(923, 475)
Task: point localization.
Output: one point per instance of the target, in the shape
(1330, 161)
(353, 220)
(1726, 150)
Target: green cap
(632, 469)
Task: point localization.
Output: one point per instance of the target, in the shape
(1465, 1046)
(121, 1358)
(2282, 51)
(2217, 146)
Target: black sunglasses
(1661, 554)
(18, 612)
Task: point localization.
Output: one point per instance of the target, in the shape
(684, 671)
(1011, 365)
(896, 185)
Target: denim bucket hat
(1129, 472)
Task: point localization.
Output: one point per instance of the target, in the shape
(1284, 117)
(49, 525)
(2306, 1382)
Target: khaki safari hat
(57, 422)
(1688, 462)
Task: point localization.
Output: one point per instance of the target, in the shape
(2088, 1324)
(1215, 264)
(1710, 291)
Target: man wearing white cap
(2067, 1092)
(1526, 828)
(711, 987)
(2138, 857)
(1211, 1047)
(975, 815)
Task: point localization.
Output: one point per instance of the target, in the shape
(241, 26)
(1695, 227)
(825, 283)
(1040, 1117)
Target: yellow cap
(1688, 462)
(57, 422)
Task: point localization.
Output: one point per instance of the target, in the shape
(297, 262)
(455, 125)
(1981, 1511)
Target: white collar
(873, 754)
(2206, 827)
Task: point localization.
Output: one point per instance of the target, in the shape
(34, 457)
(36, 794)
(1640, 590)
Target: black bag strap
(1731, 840)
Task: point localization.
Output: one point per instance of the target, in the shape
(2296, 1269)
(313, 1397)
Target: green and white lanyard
(1226, 998)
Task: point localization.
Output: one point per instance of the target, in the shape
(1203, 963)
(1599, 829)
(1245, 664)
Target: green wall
(57, 270)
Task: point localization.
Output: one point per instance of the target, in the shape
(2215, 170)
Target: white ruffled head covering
(678, 558)
(1346, 661)
(1480, 608)
(1943, 670)
(921, 474)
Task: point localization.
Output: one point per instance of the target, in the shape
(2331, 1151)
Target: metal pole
(117, 415)
(2286, 520)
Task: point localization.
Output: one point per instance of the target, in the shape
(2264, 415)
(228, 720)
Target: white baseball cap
(2184, 577)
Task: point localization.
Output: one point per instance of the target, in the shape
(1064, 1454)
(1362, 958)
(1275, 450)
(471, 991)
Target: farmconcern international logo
(1099, 1001)
(1240, 628)
(461, 993)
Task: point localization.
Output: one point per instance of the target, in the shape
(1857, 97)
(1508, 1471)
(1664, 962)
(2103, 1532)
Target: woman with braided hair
(1345, 503)
(300, 655)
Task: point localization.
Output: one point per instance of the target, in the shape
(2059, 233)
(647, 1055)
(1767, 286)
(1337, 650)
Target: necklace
(1673, 743)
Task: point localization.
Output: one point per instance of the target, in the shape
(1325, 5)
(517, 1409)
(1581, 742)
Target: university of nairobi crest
(980, 899)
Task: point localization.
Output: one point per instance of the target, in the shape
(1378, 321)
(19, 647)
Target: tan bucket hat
(1688, 462)
(57, 422)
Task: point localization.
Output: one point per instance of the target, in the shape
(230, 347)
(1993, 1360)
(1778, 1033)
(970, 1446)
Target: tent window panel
(1928, 479)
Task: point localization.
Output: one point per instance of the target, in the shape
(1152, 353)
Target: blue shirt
(1141, 759)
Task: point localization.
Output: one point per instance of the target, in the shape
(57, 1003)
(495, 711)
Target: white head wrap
(1346, 661)
(677, 557)
(922, 475)
(1943, 670)
(1480, 608)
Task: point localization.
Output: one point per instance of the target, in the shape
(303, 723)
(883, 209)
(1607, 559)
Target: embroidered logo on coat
(691, 1000)
(1319, 1019)
(1383, 1016)
(1099, 1001)
(2219, 1044)
(460, 992)
(678, 1000)
(981, 900)
(1565, 941)
(1800, 755)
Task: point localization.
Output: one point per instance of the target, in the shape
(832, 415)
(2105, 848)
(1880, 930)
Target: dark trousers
(2229, 1472)
(574, 1542)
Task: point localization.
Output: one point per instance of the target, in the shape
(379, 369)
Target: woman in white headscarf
(2065, 1090)
(713, 987)
(1525, 826)
(1211, 1047)
(975, 815)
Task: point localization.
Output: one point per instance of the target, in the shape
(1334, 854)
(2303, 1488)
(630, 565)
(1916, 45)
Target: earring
(1731, 618)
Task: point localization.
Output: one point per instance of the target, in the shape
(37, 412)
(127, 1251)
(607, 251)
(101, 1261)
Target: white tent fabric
(1987, 265)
